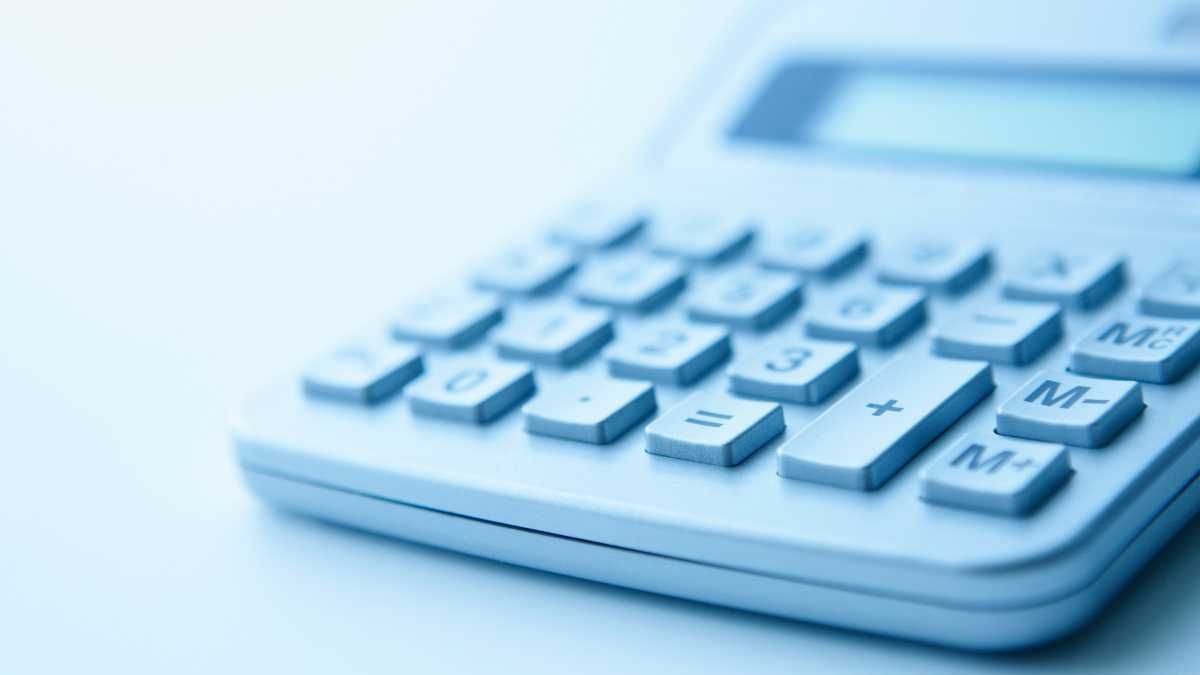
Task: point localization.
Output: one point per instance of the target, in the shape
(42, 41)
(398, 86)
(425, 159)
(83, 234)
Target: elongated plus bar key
(866, 437)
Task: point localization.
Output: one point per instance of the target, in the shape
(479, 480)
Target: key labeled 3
(1138, 348)
(996, 475)
(1066, 408)
(796, 371)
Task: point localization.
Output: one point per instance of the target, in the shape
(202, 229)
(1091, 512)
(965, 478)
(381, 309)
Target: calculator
(893, 327)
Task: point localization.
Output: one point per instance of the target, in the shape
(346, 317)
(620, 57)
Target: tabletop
(194, 197)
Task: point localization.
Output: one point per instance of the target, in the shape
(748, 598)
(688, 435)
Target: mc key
(1136, 348)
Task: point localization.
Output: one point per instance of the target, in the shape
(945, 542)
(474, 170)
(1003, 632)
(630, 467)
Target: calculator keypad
(996, 475)
(1059, 407)
(626, 299)
(1073, 280)
(714, 428)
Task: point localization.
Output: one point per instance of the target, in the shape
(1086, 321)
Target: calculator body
(883, 559)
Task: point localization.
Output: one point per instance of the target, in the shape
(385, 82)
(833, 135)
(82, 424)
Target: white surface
(197, 196)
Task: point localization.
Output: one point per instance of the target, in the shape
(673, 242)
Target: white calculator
(894, 327)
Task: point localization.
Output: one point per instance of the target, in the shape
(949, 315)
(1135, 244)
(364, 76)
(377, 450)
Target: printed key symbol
(881, 408)
(711, 416)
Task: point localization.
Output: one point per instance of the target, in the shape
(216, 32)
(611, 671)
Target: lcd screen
(1091, 120)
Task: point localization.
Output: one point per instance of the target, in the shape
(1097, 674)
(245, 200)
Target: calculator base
(982, 629)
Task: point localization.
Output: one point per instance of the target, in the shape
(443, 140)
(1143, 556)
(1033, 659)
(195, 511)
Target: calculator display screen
(1091, 120)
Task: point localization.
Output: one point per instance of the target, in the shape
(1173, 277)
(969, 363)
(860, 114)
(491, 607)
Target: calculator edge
(979, 629)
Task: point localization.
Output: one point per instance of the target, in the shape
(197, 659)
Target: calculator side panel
(985, 630)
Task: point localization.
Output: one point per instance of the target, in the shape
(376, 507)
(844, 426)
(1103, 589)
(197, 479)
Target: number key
(798, 371)
(476, 391)
(878, 317)
(746, 300)
(670, 353)
(637, 283)
(702, 239)
(938, 265)
(530, 270)
(814, 251)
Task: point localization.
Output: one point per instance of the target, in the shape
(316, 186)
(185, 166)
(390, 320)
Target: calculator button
(1137, 348)
(670, 353)
(1003, 332)
(714, 428)
(1076, 281)
(1174, 293)
(476, 391)
(594, 410)
(878, 317)
(941, 265)
(796, 371)
(701, 239)
(746, 299)
(874, 430)
(448, 321)
(557, 337)
(996, 475)
(532, 270)
(596, 226)
(1066, 408)
(636, 283)
(363, 372)
(824, 252)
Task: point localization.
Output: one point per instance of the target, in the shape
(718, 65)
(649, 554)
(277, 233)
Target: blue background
(196, 196)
